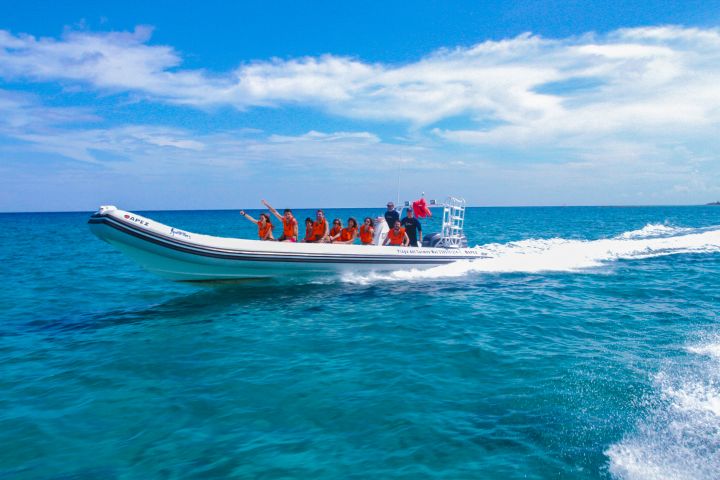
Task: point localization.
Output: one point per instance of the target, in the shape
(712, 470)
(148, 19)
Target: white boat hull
(180, 255)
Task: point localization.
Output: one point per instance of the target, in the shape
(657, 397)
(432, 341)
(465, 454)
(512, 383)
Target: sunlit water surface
(587, 346)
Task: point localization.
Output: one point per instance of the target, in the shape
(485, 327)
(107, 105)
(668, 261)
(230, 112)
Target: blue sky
(173, 105)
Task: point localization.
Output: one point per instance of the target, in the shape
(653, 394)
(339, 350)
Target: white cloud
(164, 138)
(146, 149)
(20, 110)
(643, 101)
(635, 70)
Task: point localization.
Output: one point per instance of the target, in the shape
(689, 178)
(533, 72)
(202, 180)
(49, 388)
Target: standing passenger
(391, 215)
(264, 225)
(412, 227)
(367, 231)
(290, 225)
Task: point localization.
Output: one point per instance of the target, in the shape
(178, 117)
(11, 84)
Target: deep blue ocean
(586, 347)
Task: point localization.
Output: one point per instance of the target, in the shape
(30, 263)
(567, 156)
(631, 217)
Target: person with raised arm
(264, 225)
(290, 224)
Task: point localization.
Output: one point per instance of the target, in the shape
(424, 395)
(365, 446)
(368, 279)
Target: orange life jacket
(289, 227)
(319, 229)
(264, 231)
(347, 234)
(335, 230)
(308, 233)
(396, 238)
(366, 235)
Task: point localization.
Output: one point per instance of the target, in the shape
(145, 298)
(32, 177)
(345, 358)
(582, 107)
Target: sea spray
(679, 437)
(654, 230)
(565, 255)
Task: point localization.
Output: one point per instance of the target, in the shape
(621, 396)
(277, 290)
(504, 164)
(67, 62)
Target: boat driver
(412, 227)
(391, 215)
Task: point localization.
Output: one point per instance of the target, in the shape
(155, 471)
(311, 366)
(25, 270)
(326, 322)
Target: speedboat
(185, 256)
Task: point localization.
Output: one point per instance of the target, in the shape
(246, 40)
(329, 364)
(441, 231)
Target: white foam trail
(654, 230)
(563, 255)
(710, 348)
(680, 436)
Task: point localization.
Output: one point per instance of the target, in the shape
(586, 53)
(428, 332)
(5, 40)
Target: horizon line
(378, 207)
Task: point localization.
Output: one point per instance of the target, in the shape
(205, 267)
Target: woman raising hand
(264, 225)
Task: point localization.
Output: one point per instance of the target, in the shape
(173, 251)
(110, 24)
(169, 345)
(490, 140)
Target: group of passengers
(402, 233)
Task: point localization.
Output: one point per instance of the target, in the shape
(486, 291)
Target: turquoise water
(587, 347)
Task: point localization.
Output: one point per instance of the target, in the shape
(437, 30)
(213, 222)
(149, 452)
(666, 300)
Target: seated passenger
(367, 232)
(290, 225)
(319, 229)
(335, 230)
(308, 230)
(397, 236)
(264, 225)
(349, 234)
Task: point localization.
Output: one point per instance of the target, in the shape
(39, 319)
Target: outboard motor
(432, 239)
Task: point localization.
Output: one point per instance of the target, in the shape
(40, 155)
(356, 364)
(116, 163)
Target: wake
(679, 437)
(564, 255)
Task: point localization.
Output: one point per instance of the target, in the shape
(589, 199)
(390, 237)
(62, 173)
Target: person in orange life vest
(308, 230)
(397, 236)
(349, 234)
(264, 225)
(290, 225)
(335, 230)
(319, 229)
(367, 232)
